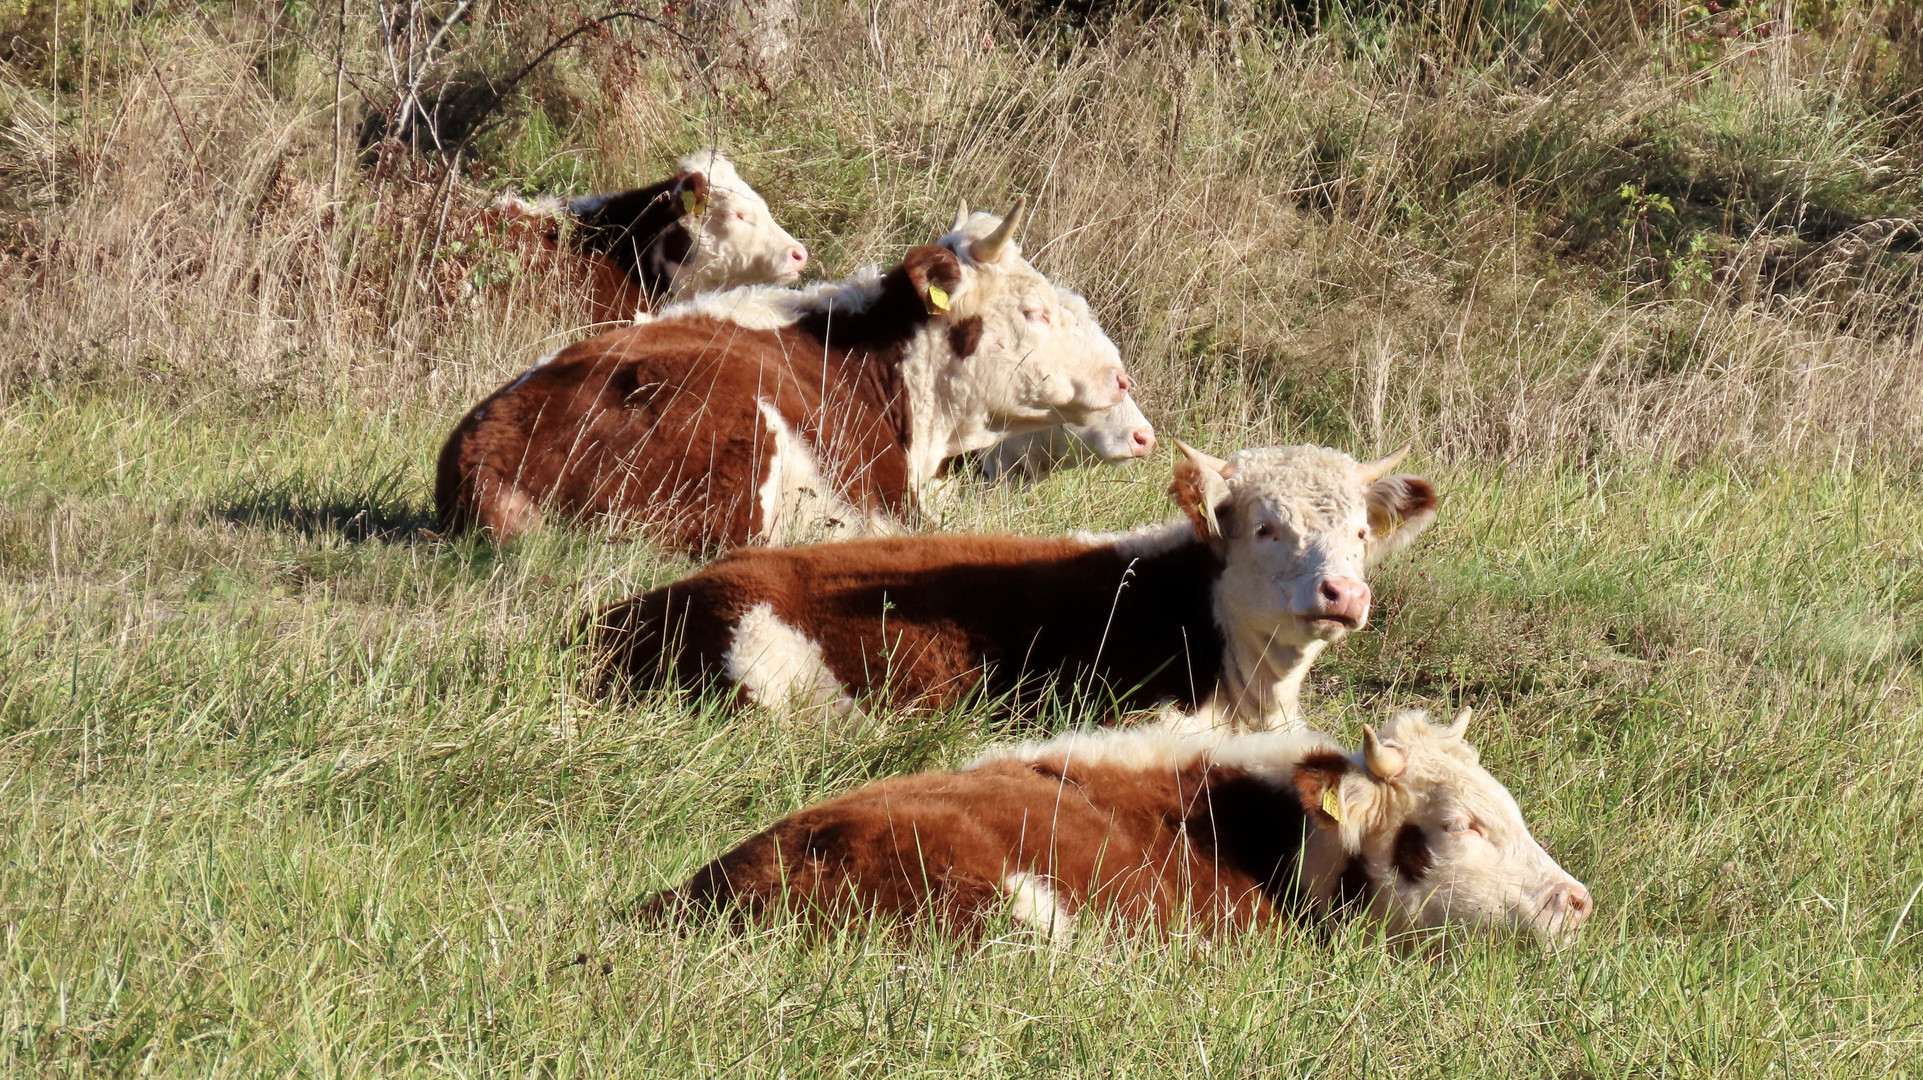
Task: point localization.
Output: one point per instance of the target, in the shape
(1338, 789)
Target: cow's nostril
(799, 256)
(1143, 440)
(1331, 593)
(1122, 380)
(1576, 904)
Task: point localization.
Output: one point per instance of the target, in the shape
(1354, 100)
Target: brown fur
(1209, 842)
(930, 619)
(658, 425)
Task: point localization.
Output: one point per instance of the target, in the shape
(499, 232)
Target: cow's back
(656, 425)
(957, 847)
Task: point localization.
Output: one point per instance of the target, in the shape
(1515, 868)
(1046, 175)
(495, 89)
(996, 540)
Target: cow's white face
(734, 237)
(1298, 528)
(1120, 434)
(1443, 840)
(1041, 358)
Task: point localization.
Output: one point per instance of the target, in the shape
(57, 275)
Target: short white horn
(1385, 761)
(961, 217)
(991, 247)
(1371, 471)
(1196, 457)
(1460, 725)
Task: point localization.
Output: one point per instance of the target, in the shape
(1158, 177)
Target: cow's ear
(1400, 507)
(936, 274)
(691, 193)
(1317, 780)
(1201, 489)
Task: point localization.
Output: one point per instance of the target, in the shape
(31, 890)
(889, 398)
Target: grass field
(294, 789)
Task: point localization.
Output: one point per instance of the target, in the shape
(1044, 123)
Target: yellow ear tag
(937, 300)
(690, 203)
(1331, 805)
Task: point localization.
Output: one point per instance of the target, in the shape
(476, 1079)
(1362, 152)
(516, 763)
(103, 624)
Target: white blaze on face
(1447, 842)
(1299, 527)
(1041, 358)
(735, 239)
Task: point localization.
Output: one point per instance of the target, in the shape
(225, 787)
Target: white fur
(736, 238)
(1033, 904)
(780, 667)
(1110, 437)
(797, 503)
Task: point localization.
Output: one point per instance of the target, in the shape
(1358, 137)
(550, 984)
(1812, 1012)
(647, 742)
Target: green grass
(293, 790)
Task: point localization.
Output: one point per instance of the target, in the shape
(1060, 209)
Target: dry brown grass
(1288, 235)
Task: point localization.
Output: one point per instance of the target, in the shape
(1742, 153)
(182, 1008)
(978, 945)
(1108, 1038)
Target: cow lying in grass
(630, 252)
(1217, 614)
(767, 414)
(1212, 832)
(1120, 434)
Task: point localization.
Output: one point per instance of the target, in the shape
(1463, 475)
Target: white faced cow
(1120, 434)
(1215, 616)
(765, 414)
(630, 252)
(1195, 832)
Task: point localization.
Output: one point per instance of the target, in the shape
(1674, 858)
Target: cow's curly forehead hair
(1318, 485)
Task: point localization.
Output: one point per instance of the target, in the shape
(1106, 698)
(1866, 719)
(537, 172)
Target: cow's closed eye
(1464, 825)
(1038, 316)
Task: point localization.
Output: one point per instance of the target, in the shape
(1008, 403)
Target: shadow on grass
(376, 507)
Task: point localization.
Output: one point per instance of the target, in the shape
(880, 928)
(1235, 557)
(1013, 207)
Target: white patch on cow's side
(797, 503)
(1032, 903)
(771, 307)
(542, 362)
(1142, 542)
(1155, 749)
(780, 667)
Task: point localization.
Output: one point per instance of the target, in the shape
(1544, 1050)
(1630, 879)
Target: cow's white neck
(1260, 687)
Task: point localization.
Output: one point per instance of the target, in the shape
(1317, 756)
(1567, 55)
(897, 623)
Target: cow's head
(1298, 527)
(1030, 353)
(733, 237)
(1441, 840)
(1120, 434)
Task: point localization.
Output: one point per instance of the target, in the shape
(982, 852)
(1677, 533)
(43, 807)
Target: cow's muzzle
(1342, 604)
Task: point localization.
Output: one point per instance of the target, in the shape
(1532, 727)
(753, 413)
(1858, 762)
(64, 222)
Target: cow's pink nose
(797, 257)
(1122, 380)
(1141, 441)
(1345, 600)
(1573, 903)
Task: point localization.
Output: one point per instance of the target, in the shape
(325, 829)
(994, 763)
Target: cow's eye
(742, 216)
(1264, 531)
(1362, 534)
(1464, 825)
(1038, 316)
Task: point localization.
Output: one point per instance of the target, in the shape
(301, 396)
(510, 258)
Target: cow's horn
(1371, 471)
(1460, 725)
(961, 217)
(1196, 457)
(1385, 761)
(989, 248)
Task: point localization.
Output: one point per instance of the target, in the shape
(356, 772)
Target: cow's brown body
(1206, 842)
(932, 619)
(662, 424)
(1212, 832)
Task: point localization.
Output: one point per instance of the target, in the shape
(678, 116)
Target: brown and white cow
(765, 414)
(1211, 832)
(630, 252)
(1119, 435)
(1215, 616)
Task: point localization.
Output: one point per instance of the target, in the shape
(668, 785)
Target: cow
(768, 415)
(1120, 434)
(631, 252)
(1213, 618)
(1211, 832)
